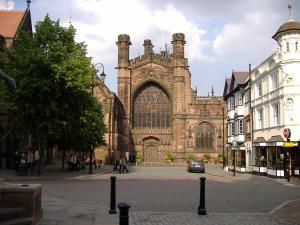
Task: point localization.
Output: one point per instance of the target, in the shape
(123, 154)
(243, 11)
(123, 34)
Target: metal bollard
(113, 195)
(201, 208)
(124, 217)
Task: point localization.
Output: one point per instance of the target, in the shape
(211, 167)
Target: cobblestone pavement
(209, 219)
(62, 212)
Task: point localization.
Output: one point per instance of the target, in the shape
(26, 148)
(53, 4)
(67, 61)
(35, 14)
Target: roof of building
(240, 77)
(288, 26)
(260, 140)
(226, 86)
(276, 138)
(10, 21)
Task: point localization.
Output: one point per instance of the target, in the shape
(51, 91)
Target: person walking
(115, 168)
(37, 161)
(120, 166)
(125, 165)
(17, 161)
(30, 160)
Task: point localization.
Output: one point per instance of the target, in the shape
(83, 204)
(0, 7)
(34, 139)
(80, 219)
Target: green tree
(52, 102)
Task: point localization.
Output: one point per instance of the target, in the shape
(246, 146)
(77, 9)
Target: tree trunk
(63, 161)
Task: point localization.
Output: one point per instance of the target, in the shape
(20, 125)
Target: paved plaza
(165, 195)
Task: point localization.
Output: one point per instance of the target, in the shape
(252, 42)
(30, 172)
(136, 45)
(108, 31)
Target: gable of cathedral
(163, 113)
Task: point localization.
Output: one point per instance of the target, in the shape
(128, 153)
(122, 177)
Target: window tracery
(152, 108)
(204, 136)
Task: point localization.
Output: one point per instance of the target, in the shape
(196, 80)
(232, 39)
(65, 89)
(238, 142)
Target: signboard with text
(290, 144)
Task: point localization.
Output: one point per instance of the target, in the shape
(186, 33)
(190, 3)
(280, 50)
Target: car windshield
(197, 162)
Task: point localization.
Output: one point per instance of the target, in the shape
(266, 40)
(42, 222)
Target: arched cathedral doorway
(151, 149)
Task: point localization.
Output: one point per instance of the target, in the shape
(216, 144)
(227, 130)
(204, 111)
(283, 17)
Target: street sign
(287, 132)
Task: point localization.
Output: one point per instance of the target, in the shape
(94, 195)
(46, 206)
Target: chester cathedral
(156, 112)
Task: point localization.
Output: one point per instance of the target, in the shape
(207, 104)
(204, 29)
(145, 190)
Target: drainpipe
(223, 137)
(251, 113)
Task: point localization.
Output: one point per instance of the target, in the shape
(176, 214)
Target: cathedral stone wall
(163, 113)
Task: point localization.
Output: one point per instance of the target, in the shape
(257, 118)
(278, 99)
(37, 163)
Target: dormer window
(287, 47)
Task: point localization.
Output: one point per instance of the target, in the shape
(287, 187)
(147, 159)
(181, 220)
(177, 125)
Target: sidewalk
(68, 212)
(62, 212)
(54, 172)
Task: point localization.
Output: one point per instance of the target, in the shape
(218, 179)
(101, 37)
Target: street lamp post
(102, 75)
(99, 66)
(234, 145)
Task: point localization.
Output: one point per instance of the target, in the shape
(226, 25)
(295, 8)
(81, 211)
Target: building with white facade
(235, 100)
(275, 93)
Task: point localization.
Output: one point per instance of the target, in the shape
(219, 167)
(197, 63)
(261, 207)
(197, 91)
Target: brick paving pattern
(66, 212)
(144, 218)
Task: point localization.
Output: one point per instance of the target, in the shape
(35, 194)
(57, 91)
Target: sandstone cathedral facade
(158, 111)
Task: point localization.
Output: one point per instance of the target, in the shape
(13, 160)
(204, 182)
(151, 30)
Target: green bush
(191, 157)
(206, 157)
(139, 158)
(220, 157)
(169, 157)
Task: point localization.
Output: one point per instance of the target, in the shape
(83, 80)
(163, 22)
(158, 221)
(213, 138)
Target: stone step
(10, 213)
(18, 221)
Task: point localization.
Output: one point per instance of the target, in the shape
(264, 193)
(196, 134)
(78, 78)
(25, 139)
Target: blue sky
(221, 35)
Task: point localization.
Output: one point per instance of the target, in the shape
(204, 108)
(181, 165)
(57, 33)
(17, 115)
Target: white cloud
(248, 38)
(172, 21)
(99, 23)
(7, 4)
(220, 35)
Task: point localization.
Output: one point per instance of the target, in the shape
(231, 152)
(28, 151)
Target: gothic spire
(290, 9)
(28, 3)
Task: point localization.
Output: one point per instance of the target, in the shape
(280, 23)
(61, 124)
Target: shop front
(259, 156)
(237, 158)
(276, 157)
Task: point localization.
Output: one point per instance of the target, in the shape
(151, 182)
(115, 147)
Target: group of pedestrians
(120, 166)
(73, 163)
(29, 159)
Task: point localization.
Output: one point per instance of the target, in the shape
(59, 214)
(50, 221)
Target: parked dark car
(196, 166)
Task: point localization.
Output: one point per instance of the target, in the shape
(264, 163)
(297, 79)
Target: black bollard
(124, 217)
(201, 208)
(113, 195)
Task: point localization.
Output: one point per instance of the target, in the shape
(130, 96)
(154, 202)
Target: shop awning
(259, 141)
(276, 140)
(242, 147)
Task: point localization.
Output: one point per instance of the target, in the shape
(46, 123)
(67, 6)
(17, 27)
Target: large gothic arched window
(204, 136)
(151, 107)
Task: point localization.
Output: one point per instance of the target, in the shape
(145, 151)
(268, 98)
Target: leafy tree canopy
(52, 100)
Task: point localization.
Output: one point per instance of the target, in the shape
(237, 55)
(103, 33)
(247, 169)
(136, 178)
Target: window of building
(248, 124)
(259, 89)
(241, 131)
(228, 103)
(274, 81)
(247, 95)
(239, 126)
(152, 108)
(204, 136)
(287, 46)
(260, 118)
(232, 102)
(296, 45)
(275, 109)
(230, 129)
(240, 98)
